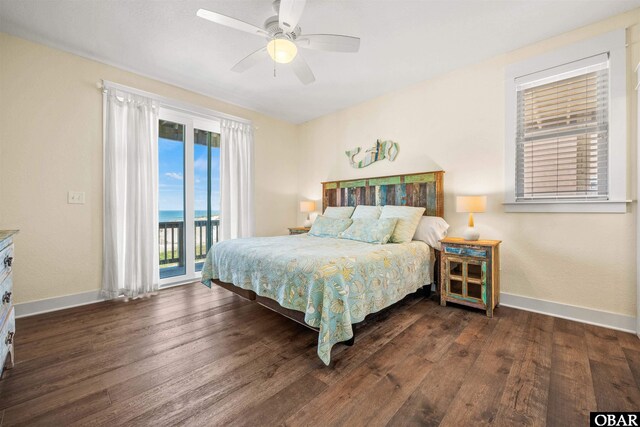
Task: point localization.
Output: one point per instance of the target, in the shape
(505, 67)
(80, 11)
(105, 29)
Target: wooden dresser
(7, 313)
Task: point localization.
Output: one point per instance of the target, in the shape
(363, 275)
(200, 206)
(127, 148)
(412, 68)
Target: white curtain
(236, 180)
(130, 253)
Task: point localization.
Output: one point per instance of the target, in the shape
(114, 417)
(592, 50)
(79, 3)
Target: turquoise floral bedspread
(335, 282)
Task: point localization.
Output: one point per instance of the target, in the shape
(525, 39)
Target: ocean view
(169, 216)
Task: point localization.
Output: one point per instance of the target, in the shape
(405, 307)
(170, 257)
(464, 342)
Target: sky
(171, 179)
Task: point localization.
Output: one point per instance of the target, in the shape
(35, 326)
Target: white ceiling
(403, 42)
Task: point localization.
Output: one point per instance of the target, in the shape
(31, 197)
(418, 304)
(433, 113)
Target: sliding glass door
(171, 200)
(206, 168)
(189, 193)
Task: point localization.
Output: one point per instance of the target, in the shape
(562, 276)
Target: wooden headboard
(417, 189)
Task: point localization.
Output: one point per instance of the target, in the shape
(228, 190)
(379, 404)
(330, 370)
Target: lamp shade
(473, 204)
(307, 206)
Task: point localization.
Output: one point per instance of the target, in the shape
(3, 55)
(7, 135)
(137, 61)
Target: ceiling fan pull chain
(274, 62)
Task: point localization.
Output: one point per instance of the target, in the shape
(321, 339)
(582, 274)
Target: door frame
(191, 121)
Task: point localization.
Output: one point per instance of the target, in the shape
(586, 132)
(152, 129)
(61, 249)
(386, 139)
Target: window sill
(605, 206)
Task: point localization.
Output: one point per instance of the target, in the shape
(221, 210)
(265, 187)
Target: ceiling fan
(284, 38)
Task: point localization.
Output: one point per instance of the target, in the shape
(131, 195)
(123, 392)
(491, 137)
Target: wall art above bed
(418, 189)
(380, 151)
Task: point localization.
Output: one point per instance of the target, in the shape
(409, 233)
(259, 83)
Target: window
(566, 131)
(562, 135)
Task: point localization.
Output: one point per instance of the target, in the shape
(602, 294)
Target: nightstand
(470, 273)
(299, 230)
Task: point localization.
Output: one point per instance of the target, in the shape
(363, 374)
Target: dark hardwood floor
(194, 356)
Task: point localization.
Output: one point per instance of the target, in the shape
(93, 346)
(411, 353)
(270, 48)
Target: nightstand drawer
(299, 230)
(478, 253)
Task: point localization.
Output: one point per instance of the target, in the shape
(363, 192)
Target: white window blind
(562, 132)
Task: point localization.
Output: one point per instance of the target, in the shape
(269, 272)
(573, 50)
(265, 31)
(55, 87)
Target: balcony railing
(171, 240)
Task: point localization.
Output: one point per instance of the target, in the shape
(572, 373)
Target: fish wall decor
(382, 150)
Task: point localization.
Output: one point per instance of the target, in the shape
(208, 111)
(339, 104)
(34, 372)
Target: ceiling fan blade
(231, 22)
(250, 60)
(290, 13)
(302, 70)
(329, 42)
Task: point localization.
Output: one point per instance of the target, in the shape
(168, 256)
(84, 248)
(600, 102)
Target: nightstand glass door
(467, 279)
(476, 280)
(455, 282)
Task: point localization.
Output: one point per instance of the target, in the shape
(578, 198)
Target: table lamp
(471, 204)
(307, 206)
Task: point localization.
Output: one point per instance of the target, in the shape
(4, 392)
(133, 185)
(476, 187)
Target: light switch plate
(75, 197)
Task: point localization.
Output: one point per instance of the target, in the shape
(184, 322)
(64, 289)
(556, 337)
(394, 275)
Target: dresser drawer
(6, 297)
(478, 253)
(6, 262)
(7, 332)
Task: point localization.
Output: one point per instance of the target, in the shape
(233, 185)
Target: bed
(331, 284)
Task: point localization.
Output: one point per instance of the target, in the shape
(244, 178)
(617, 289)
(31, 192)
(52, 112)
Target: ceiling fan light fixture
(282, 51)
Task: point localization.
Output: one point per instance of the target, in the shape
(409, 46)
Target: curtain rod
(164, 101)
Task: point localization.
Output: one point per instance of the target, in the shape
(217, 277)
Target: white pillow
(431, 229)
(364, 211)
(338, 212)
(408, 219)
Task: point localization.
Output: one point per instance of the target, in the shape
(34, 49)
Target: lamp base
(471, 234)
(307, 223)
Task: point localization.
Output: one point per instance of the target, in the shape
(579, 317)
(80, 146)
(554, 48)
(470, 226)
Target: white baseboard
(47, 305)
(32, 308)
(605, 319)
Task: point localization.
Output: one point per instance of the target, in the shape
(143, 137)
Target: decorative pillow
(338, 211)
(431, 229)
(364, 211)
(329, 227)
(370, 230)
(408, 219)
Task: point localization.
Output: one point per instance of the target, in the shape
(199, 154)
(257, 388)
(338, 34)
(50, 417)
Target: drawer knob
(6, 298)
(8, 261)
(9, 339)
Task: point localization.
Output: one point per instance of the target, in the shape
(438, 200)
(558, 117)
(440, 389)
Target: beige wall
(51, 142)
(456, 123)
